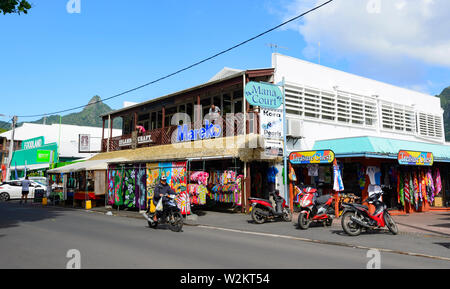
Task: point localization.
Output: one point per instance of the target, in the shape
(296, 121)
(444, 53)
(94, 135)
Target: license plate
(250, 209)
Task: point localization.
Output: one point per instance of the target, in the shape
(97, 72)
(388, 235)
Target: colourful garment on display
(338, 185)
(361, 178)
(411, 189)
(130, 188)
(141, 192)
(438, 183)
(406, 190)
(272, 174)
(183, 203)
(115, 187)
(401, 190)
(430, 186)
(292, 176)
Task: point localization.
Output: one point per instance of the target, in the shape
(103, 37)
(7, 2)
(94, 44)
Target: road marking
(326, 242)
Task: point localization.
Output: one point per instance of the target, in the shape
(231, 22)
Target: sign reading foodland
(33, 143)
(265, 95)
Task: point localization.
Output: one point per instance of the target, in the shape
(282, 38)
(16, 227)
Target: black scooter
(170, 214)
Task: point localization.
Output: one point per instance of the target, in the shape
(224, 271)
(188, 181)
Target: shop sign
(33, 143)
(312, 157)
(43, 156)
(140, 140)
(273, 148)
(84, 141)
(271, 121)
(413, 158)
(209, 131)
(265, 95)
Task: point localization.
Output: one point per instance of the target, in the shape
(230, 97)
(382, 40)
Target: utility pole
(11, 147)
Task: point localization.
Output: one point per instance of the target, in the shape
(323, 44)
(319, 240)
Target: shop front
(218, 173)
(79, 184)
(414, 176)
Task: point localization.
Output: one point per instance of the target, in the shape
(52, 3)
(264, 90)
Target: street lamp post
(11, 148)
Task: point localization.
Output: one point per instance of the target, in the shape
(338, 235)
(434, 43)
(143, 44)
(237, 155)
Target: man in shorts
(25, 189)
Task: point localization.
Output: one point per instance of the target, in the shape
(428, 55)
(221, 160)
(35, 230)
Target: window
(430, 125)
(397, 117)
(341, 107)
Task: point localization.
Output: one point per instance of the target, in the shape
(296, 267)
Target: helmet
(163, 178)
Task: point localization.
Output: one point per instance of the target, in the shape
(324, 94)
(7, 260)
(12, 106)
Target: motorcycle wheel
(390, 223)
(257, 216)
(287, 215)
(176, 221)
(350, 227)
(303, 221)
(152, 225)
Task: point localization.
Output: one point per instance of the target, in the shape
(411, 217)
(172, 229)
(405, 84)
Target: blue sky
(53, 60)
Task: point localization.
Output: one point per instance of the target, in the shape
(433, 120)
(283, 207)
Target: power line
(187, 67)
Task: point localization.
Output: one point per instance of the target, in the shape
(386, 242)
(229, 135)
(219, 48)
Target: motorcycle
(315, 209)
(170, 214)
(356, 217)
(262, 210)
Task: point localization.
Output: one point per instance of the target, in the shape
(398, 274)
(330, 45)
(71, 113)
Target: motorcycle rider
(161, 190)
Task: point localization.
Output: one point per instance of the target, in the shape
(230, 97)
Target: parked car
(10, 190)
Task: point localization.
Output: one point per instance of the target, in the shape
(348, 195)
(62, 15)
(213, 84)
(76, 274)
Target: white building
(64, 135)
(333, 104)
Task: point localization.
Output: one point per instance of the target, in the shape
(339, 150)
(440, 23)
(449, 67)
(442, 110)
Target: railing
(164, 136)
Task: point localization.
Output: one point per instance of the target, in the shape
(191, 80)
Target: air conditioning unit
(294, 128)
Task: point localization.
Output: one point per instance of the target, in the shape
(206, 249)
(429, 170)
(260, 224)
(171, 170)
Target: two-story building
(364, 122)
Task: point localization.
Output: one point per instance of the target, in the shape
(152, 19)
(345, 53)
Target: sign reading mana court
(265, 95)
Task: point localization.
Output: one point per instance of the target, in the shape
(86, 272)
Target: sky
(53, 60)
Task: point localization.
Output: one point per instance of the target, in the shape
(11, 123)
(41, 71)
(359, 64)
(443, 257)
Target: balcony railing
(168, 135)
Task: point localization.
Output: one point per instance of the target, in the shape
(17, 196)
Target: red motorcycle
(356, 217)
(315, 209)
(262, 210)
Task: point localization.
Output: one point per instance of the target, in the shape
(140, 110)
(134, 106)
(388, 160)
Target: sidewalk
(432, 223)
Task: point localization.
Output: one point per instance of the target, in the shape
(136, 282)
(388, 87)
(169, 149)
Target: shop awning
(31, 167)
(90, 165)
(377, 147)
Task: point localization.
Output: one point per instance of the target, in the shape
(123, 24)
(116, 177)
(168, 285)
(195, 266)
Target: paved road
(36, 237)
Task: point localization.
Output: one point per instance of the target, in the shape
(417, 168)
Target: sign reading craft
(413, 158)
(312, 157)
(265, 95)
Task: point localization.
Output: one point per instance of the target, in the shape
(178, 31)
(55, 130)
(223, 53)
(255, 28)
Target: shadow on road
(12, 214)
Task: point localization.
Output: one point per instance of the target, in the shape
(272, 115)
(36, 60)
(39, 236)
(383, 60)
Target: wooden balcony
(167, 135)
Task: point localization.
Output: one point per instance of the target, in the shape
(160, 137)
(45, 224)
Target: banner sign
(273, 148)
(209, 131)
(413, 158)
(265, 95)
(312, 157)
(33, 143)
(43, 156)
(271, 121)
(140, 140)
(84, 142)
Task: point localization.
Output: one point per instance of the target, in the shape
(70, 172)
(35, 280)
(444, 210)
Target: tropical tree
(14, 6)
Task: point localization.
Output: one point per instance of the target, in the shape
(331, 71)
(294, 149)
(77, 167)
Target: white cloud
(382, 29)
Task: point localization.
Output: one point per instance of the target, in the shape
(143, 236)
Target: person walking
(25, 189)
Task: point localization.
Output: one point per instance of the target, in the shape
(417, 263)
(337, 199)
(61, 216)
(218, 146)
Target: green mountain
(89, 116)
(4, 126)
(445, 104)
